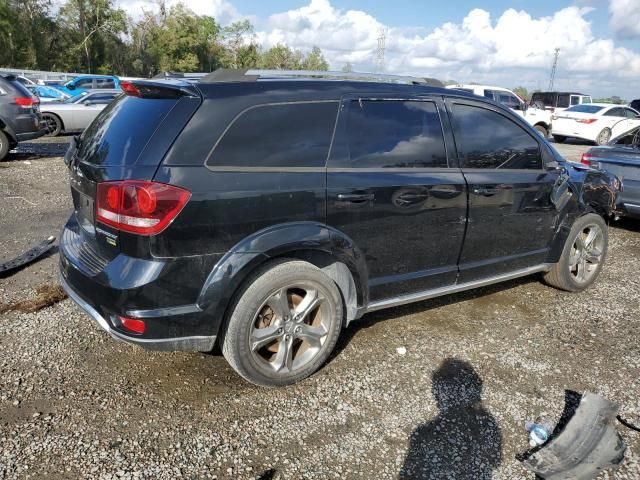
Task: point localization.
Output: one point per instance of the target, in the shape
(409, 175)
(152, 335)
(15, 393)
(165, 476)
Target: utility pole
(382, 40)
(553, 68)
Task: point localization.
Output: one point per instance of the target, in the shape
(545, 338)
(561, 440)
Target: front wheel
(284, 325)
(541, 130)
(583, 255)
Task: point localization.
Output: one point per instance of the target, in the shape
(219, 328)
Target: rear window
(18, 88)
(585, 108)
(121, 131)
(278, 135)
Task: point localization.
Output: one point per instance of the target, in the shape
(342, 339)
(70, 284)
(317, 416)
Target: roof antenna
(553, 68)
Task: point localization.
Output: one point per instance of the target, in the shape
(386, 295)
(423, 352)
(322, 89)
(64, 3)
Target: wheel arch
(58, 117)
(328, 249)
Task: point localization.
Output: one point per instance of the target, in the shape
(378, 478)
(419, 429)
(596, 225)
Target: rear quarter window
(278, 136)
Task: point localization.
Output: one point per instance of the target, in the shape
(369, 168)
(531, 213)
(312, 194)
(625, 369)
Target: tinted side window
(508, 100)
(489, 94)
(105, 83)
(394, 134)
(101, 98)
(283, 135)
(486, 139)
(615, 112)
(86, 83)
(575, 100)
(630, 113)
(563, 101)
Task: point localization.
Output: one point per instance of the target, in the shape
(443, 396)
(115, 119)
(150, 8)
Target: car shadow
(373, 318)
(44, 147)
(628, 224)
(464, 440)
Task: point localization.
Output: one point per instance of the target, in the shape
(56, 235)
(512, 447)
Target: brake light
(132, 324)
(588, 160)
(586, 120)
(27, 101)
(139, 206)
(130, 89)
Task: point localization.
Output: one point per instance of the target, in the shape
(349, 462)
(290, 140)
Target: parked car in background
(596, 122)
(540, 119)
(558, 101)
(77, 112)
(85, 83)
(621, 157)
(47, 93)
(267, 213)
(19, 114)
(635, 104)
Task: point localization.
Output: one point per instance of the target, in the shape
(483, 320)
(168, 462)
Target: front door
(511, 216)
(391, 189)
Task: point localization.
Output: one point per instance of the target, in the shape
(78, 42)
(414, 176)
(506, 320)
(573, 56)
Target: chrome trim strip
(165, 312)
(632, 205)
(437, 292)
(206, 342)
(266, 169)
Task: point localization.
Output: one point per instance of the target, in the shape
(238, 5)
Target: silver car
(76, 113)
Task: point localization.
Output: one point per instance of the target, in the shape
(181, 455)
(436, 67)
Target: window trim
(232, 168)
(386, 98)
(452, 101)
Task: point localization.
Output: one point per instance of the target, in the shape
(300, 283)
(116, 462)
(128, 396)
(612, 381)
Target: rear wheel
(583, 255)
(603, 137)
(53, 124)
(4, 145)
(559, 138)
(541, 130)
(284, 325)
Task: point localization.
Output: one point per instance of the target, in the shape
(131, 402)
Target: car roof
(473, 86)
(562, 93)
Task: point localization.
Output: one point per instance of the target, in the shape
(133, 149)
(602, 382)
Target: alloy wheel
(290, 328)
(586, 253)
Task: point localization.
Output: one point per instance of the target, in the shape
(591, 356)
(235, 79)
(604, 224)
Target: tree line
(94, 36)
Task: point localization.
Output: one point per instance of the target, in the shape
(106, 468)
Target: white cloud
(514, 49)
(625, 17)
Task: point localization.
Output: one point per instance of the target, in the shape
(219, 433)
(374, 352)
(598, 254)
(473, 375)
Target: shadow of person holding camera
(464, 441)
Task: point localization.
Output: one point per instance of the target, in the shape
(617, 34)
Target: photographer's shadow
(464, 441)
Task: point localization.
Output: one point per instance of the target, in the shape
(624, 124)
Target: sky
(495, 42)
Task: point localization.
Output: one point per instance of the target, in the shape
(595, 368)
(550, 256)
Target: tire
(4, 145)
(579, 256)
(261, 357)
(603, 137)
(54, 124)
(541, 130)
(559, 138)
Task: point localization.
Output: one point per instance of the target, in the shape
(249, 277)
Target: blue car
(85, 83)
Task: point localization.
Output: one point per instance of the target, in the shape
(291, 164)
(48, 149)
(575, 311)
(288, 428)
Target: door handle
(484, 191)
(355, 197)
(413, 197)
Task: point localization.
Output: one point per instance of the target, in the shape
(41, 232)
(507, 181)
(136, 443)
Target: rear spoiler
(159, 89)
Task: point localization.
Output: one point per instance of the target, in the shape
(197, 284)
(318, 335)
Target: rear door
(393, 191)
(511, 217)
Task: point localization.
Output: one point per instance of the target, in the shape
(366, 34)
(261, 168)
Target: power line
(382, 40)
(556, 54)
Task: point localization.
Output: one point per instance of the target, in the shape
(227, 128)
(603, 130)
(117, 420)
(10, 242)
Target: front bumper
(196, 343)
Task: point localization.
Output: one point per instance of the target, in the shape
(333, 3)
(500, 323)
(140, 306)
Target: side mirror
(88, 103)
(71, 86)
(552, 165)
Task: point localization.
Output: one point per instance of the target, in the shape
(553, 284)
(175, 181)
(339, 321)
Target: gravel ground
(440, 388)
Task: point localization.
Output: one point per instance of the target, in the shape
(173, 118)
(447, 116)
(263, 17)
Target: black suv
(19, 114)
(268, 213)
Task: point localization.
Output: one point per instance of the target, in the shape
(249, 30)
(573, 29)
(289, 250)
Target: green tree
(281, 57)
(315, 60)
(240, 48)
(347, 68)
(523, 93)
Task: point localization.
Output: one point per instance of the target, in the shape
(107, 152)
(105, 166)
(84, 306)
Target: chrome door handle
(355, 197)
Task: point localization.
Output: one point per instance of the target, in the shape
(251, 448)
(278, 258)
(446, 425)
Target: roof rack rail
(195, 76)
(358, 76)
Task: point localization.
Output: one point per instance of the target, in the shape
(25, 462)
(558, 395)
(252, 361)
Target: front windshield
(76, 98)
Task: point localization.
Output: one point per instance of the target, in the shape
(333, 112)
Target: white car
(539, 118)
(76, 113)
(596, 122)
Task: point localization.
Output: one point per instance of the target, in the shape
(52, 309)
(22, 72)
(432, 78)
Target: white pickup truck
(540, 119)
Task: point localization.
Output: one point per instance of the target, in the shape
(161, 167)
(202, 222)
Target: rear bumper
(161, 292)
(196, 343)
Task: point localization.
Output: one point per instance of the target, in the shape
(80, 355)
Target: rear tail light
(588, 159)
(27, 101)
(130, 89)
(586, 120)
(133, 325)
(139, 206)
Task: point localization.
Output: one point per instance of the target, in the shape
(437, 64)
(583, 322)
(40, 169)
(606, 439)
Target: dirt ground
(75, 403)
